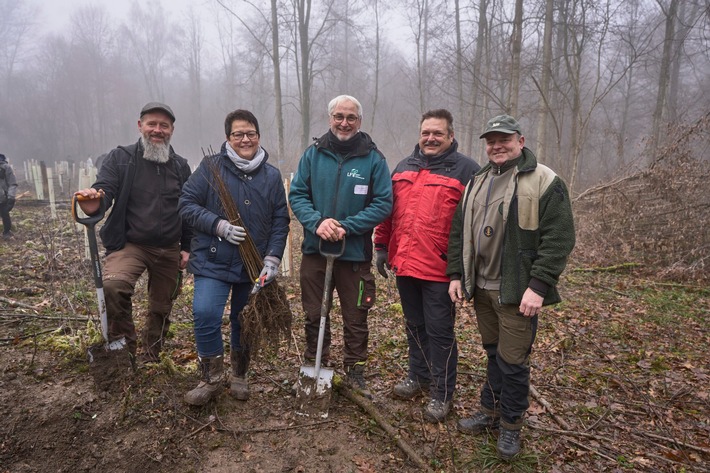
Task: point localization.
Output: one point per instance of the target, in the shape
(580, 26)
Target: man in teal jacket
(342, 190)
(510, 238)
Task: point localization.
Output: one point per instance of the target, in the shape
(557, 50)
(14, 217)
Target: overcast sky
(54, 15)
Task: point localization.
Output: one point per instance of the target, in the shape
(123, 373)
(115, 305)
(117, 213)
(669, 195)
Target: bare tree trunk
(276, 61)
(459, 61)
(376, 4)
(473, 116)
(574, 48)
(194, 71)
(546, 72)
(685, 24)
(422, 40)
(517, 46)
(664, 75)
(304, 17)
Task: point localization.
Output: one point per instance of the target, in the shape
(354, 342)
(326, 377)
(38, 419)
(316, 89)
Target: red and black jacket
(426, 191)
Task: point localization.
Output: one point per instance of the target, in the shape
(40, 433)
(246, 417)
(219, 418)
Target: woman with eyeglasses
(257, 191)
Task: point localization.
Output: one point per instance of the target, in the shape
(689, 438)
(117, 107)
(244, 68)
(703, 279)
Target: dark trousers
(507, 338)
(122, 269)
(6, 222)
(430, 316)
(347, 278)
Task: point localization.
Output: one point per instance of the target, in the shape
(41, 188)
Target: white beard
(156, 153)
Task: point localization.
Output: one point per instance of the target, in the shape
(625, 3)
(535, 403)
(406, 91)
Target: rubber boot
(211, 381)
(239, 387)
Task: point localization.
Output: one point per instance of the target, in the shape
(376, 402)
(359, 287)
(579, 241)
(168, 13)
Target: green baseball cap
(502, 124)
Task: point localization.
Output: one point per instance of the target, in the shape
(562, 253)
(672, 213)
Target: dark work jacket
(117, 177)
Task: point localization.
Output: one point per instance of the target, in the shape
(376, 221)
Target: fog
(599, 87)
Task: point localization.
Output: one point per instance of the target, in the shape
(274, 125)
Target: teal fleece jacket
(355, 189)
(539, 233)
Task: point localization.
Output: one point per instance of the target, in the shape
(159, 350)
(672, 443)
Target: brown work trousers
(356, 293)
(122, 269)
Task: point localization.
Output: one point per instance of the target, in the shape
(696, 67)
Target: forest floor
(620, 374)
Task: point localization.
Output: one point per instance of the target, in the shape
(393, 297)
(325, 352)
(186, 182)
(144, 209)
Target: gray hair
(344, 98)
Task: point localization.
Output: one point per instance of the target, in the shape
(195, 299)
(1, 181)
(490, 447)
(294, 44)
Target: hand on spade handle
(91, 202)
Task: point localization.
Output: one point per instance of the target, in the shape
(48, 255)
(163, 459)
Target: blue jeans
(207, 309)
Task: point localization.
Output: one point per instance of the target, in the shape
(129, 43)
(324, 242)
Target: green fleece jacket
(538, 238)
(355, 189)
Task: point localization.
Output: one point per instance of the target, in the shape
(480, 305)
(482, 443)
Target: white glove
(268, 273)
(232, 233)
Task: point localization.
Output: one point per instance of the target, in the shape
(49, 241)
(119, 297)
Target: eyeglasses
(350, 118)
(239, 136)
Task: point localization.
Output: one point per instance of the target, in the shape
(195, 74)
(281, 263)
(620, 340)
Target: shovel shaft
(98, 278)
(325, 304)
(90, 224)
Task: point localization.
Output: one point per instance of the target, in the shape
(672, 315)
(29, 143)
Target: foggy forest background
(599, 86)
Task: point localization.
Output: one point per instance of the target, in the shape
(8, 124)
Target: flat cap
(154, 106)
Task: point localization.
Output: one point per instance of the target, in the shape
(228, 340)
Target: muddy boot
(211, 380)
(355, 378)
(239, 387)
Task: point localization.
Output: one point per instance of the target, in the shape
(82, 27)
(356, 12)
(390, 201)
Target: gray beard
(156, 153)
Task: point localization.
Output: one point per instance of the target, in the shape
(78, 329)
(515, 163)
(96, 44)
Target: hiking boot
(478, 423)
(508, 443)
(355, 378)
(239, 387)
(437, 410)
(410, 388)
(211, 381)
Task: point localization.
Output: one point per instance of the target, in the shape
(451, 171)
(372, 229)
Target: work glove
(382, 263)
(268, 273)
(10, 203)
(234, 234)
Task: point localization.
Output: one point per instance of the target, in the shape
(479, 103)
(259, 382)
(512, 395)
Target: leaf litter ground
(619, 369)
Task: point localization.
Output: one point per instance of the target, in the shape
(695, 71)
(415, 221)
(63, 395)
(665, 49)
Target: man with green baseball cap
(502, 124)
(510, 239)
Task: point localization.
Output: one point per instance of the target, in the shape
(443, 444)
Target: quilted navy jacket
(261, 201)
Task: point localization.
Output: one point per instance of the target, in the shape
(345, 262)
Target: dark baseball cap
(502, 124)
(157, 106)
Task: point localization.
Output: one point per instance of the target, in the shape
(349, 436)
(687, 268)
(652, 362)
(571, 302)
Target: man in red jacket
(413, 242)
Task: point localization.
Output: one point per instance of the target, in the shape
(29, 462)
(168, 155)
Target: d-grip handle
(91, 219)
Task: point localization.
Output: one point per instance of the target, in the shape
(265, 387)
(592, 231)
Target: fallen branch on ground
(608, 269)
(370, 409)
(538, 397)
(14, 303)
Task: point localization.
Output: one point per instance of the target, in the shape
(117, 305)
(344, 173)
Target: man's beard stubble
(156, 152)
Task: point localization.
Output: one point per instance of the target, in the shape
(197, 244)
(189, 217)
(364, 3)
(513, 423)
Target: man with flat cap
(510, 238)
(141, 183)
